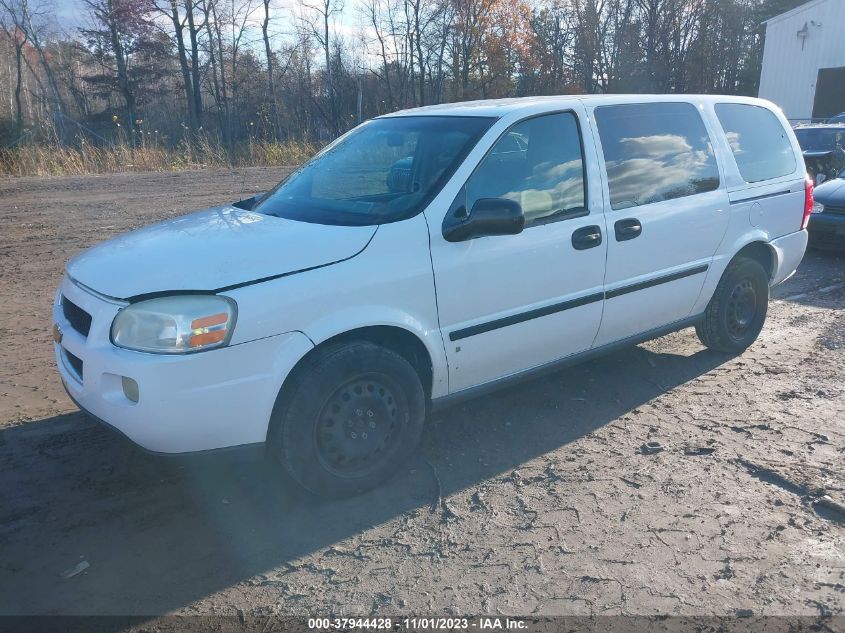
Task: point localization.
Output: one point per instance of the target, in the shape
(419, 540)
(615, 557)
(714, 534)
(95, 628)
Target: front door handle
(627, 229)
(586, 237)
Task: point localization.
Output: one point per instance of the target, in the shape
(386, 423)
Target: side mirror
(489, 216)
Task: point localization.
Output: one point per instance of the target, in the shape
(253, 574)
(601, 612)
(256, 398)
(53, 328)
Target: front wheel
(351, 415)
(736, 313)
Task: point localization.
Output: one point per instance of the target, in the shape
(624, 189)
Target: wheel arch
(397, 339)
(754, 245)
(761, 252)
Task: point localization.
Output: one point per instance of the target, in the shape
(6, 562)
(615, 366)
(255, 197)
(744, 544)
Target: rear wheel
(736, 313)
(348, 419)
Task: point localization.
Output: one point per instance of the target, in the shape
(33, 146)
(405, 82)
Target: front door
(666, 214)
(511, 303)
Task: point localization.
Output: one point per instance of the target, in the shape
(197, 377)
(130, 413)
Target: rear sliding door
(666, 213)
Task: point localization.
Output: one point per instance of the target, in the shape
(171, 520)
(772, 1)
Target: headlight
(175, 325)
(818, 207)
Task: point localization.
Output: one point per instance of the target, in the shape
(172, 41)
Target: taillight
(808, 201)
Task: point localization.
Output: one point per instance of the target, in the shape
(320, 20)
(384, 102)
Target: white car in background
(429, 256)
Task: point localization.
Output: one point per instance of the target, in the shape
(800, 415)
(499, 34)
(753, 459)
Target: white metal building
(804, 60)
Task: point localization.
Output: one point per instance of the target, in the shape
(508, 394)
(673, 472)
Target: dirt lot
(548, 506)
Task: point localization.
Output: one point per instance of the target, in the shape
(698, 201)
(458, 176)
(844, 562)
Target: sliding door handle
(627, 229)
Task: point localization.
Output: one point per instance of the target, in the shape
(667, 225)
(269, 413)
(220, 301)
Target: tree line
(164, 72)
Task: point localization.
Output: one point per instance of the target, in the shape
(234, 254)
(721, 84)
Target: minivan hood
(212, 250)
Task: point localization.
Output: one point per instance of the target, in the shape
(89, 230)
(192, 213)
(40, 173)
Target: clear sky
(69, 14)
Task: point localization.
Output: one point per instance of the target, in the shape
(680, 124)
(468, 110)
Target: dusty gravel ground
(547, 506)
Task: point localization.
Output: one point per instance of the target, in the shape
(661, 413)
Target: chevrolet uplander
(428, 256)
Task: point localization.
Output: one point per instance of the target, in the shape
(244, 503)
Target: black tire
(737, 311)
(347, 419)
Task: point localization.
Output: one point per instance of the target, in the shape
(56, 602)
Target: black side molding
(513, 319)
(656, 281)
(443, 402)
(524, 316)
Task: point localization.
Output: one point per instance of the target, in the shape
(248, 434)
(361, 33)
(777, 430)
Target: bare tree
(182, 15)
(322, 14)
(194, 29)
(214, 44)
(29, 21)
(271, 82)
(240, 12)
(221, 64)
(14, 32)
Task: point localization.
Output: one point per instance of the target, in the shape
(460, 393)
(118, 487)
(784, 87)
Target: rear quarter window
(655, 152)
(758, 141)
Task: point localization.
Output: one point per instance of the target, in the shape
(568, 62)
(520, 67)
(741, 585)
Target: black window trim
(763, 196)
(603, 160)
(733, 155)
(560, 217)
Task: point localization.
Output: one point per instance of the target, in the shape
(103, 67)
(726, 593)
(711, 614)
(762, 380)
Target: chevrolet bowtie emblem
(57, 333)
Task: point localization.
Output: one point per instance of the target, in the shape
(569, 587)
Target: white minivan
(429, 256)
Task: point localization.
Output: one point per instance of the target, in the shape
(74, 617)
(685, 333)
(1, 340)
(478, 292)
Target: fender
(353, 294)
(357, 317)
(723, 256)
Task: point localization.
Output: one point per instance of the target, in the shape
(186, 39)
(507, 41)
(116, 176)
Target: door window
(758, 141)
(655, 152)
(537, 163)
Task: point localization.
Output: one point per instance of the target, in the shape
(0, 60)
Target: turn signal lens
(207, 338)
(208, 330)
(214, 319)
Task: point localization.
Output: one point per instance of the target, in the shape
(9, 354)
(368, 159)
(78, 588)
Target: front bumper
(193, 402)
(827, 230)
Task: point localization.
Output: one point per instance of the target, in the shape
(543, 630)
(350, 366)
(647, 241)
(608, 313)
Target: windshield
(382, 171)
(820, 139)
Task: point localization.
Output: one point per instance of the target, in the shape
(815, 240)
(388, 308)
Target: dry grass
(58, 160)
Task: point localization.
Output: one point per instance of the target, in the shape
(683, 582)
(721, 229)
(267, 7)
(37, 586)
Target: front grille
(78, 318)
(836, 210)
(75, 363)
